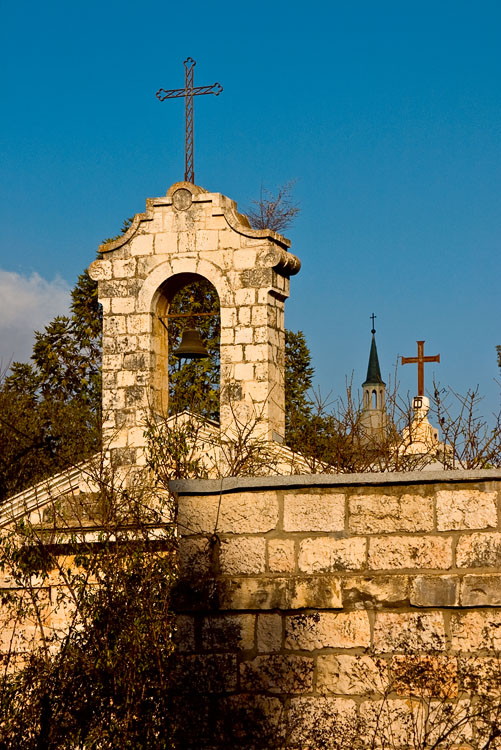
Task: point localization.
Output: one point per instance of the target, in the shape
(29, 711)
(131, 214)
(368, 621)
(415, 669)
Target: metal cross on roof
(373, 318)
(189, 92)
(420, 360)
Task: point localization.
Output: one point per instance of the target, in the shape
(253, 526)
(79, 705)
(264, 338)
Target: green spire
(373, 371)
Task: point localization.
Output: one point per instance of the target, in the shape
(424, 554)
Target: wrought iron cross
(420, 360)
(373, 318)
(189, 92)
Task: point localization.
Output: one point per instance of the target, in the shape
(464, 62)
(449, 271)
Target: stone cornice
(222, 206)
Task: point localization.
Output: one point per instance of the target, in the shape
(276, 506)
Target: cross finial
(189, 92)
(373, 318)
(420, 360)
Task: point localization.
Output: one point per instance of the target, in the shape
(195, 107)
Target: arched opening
(374, 399)
(187, 300)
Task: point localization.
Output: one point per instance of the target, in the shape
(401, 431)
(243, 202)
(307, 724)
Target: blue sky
(387, 114)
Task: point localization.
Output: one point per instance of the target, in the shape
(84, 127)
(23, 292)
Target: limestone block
(125, 378)
(481, 590)
(244, 259)
(123, 305)
(344, 674)
(281, 555)
(231, 354)
(256, 352)
(398, 552)
(124, 269)
(435, 591)
(314, 512)
(408, 631)
(244, 315)
(243, 513)
(123, 343)
(113, 325)
(244, 371)
(371, 514)
(324, 554)
(207, 240)
(242, 555)
(320, 592)
(245, 297)
(379, 591)
(259, 315)
(397, 719)
(166, 243)
(195, 557)
(228, 632)
(288, 674)
(227, 336)
(473, 631)
(112, 361)
(141, 244)
(243, 336)
(309, 632)
(466, 509)
(269, 633)
(479, 550)
(323, 722)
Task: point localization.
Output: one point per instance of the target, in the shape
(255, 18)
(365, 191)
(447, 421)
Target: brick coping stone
(236, 484)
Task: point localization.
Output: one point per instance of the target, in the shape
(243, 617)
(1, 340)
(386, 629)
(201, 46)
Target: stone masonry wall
(319, 576)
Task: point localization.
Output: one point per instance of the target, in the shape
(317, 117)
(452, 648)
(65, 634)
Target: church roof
(373, 371)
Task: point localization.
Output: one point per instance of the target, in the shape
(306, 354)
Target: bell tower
(374, 417)
(186, 235)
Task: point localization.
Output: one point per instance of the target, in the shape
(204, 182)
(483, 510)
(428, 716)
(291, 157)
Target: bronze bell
(191, 346)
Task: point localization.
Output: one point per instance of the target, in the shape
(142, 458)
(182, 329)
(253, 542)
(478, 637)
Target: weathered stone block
(228, 632)
(269, 633)
(321, 592)
(479, 550)
(242, 555)
(322, 722)
(314, 512)
(113, 325)
(435, 591)
(398, 552)
(473, 631)
(245, 513)
(404, 631)
(481, 590)
(277, 673)
(327, 630)
(324, 554)
(123, 305)
(371, 592)
(281, 555)
(466, 509)
(369, 514)
(142, 244)
(345, 674)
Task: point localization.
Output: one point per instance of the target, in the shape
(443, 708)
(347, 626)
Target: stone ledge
(298, 481)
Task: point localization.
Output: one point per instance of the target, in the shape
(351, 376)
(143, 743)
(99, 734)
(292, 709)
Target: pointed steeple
(373, 370)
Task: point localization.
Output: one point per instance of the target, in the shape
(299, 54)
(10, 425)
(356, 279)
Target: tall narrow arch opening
(186, 300)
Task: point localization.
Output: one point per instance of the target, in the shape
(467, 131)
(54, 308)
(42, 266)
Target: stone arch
(161, 301)
(149, 293)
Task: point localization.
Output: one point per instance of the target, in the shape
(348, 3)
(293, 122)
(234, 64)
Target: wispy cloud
(27, 303)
